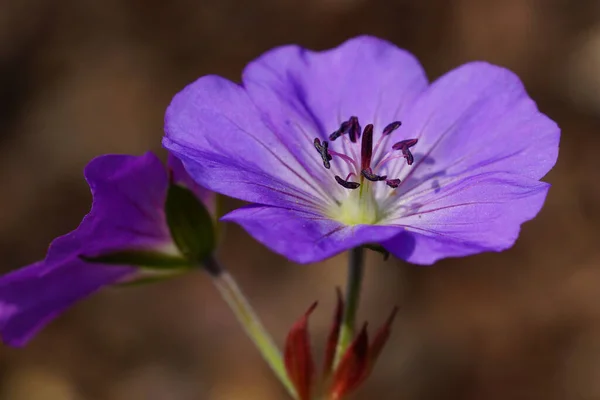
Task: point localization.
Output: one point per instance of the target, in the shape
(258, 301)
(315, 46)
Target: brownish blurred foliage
(80, 78)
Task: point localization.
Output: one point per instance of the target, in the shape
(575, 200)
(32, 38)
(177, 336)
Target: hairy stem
(356, 263)
(246, 316)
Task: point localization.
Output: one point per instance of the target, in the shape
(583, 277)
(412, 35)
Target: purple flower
(353, 146)
(127, 214)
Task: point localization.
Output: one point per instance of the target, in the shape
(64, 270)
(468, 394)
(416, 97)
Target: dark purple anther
(324, 152)
(335, 135)
(391, 127)
(404, 146)
(393, 183)
(347, 184)
(366, 149)
(354, 129)
(341, 130)
(368, 174)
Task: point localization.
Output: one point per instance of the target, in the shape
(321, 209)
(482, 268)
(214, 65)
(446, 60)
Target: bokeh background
(80, 78)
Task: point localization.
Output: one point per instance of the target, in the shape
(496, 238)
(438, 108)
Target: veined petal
(477, 118)
(304, 237)
(471, 215)
(364, 76)
(30, 297)
(213, 127)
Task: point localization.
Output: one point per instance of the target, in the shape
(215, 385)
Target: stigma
(358, 157)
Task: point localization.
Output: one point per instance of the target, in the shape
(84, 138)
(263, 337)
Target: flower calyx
(336, 381)
(193, 234)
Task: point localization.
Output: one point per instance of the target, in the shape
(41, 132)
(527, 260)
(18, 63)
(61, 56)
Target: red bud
(354, 364)
(334, 334)
(381, 337)
(298, 358)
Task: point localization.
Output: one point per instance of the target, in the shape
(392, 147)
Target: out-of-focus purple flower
(128, 214)
(353, 146)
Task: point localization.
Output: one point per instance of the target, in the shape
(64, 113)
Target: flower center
(360, 206)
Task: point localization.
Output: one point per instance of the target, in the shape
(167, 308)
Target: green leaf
(190, 223)
(142, 258)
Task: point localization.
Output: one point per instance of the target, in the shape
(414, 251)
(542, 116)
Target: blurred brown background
(83, 77)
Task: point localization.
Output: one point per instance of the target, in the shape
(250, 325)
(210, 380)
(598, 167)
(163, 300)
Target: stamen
(351, 174)
(368, 173)
(344, 157)
(385, 134)
(341, 130)
(323, 151)
(404, 146)
(393, 183)
(354, 129)
(348, 146)
(362, 167)
(391, 127)
(366, 149)
(386, 160)
(347, 184)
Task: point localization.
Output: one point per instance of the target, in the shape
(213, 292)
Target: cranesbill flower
(127, 216)
(353, 146)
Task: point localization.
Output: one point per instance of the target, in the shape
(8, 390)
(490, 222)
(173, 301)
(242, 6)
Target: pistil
(366, 148)
(361, 207)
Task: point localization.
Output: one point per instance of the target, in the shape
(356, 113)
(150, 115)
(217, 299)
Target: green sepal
(191, 224)
(378, 249)
(148, 259)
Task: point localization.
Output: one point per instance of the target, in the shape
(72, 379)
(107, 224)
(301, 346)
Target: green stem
(356, 264)
(242, 309)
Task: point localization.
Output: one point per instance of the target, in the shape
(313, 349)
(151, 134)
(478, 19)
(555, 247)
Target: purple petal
(303, 237)
(482, 147)
(477, 118)
(213, 127)
(471, 215)
(127, 213)
(181, 176)
(365, 76)
(34, 295)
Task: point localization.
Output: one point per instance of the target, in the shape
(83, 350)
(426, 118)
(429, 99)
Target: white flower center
(361, 205)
